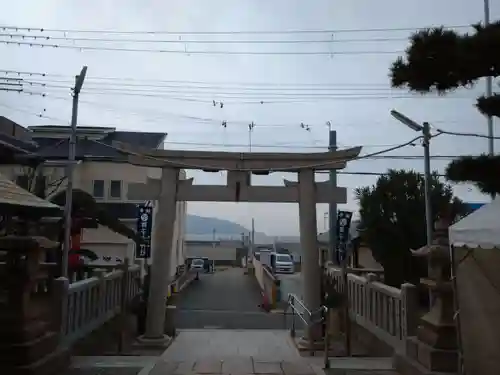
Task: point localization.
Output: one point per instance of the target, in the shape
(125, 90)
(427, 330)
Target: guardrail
(269, 284)
(388, 313)
(87, 304)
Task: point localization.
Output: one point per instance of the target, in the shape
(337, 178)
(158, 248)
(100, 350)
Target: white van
(283, 263)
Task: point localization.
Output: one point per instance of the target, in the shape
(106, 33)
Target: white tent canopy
(479, 229)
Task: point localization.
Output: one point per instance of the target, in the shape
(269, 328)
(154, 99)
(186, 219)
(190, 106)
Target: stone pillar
(162, 255)
(311, 272)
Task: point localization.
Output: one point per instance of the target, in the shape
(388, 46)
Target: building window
(115, 189)
(98, 189)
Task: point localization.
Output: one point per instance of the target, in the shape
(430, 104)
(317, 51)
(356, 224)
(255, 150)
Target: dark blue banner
(144, 229)
(343, 226)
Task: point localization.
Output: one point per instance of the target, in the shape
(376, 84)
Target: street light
(425, 129)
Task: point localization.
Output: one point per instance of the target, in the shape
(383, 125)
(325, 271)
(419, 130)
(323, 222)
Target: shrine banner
(343, 225)
(144, 229)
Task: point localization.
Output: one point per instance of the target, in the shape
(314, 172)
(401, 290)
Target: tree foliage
(393, 220)
(443, 60)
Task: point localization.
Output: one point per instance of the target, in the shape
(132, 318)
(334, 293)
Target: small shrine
(30, 312)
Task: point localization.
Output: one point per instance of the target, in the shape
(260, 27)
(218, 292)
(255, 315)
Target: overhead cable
(228, 32)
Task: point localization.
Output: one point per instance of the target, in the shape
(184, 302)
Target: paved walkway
(226, 299)
(232, 352)
(229, 352)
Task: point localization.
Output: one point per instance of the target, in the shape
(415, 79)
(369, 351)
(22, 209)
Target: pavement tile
(297, 368)
(237, 366)
(164, 368)
(208, 366)
(184, 368)
(267, 367)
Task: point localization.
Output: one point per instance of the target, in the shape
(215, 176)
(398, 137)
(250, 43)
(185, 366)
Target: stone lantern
(29, 333)
(434, 349)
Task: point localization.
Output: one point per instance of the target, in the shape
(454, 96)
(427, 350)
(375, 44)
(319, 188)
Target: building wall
(212, 252)
(102, 240)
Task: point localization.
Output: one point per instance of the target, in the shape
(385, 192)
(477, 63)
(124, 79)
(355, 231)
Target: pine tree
(440, 60)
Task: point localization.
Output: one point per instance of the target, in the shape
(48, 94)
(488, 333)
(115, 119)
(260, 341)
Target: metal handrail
(307, 316)
(292, 298)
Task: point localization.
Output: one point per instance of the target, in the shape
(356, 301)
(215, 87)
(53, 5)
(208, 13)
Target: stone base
(153, 343)
(303, 344)
(53, 364)
(439, 360)
(442, 336)
(423, 359)
(406, 366)
(19, 333)
(30, 351)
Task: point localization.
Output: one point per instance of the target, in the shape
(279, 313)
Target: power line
(232, 32)
(200, 52)
(99, 79)
(367, 173)
(100, 84)
(229, 94)
(192, 41)
(243, 98)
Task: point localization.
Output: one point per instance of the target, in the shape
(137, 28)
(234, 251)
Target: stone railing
(388, 313)
(89, 303)
(269, 284)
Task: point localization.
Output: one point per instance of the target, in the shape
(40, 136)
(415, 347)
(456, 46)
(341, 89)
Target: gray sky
(197, 124)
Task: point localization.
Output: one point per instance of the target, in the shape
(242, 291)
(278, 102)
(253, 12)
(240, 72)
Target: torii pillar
(308, 196)
(163, 235)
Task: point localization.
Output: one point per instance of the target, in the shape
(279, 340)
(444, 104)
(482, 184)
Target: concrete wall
(213, 252)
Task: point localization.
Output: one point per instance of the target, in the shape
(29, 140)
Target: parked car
(284, 263)
(198, 265)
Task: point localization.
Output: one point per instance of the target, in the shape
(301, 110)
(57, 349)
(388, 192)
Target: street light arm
(79, 80)
(407, 121)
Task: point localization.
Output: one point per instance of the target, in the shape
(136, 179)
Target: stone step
(353, 363)
(82, 362)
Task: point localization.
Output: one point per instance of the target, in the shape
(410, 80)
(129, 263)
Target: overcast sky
(341, 81)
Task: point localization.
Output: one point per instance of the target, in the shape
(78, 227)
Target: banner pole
(343, 225)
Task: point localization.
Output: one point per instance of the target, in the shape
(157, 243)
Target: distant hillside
(206, 225)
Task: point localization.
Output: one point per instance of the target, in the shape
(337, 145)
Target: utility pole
(252, 246)
(250, 130)
(427, 188)
(489, 89)
(69, 171)
(332, 207)
(426, 135)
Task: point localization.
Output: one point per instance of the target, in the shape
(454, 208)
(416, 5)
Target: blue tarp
(474, 206)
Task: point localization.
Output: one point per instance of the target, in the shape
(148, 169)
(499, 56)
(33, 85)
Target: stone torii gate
(169, 189)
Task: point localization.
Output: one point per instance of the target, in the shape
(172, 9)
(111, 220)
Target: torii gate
(169, 189)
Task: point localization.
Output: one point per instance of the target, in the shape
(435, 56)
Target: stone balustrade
(87, 304)
(388, 313)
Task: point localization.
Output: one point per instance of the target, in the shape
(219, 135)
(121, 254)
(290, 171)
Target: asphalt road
(227, 300)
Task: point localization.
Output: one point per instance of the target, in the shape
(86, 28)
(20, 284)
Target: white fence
(387, 312)
(89, 303)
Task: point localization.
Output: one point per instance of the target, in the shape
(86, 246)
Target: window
(115, 189)
(283, 258)
(98, 189)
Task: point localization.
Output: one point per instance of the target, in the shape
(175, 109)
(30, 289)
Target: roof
(13, 195)
(87, 148)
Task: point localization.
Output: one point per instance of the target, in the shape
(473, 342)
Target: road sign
(144, 229)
